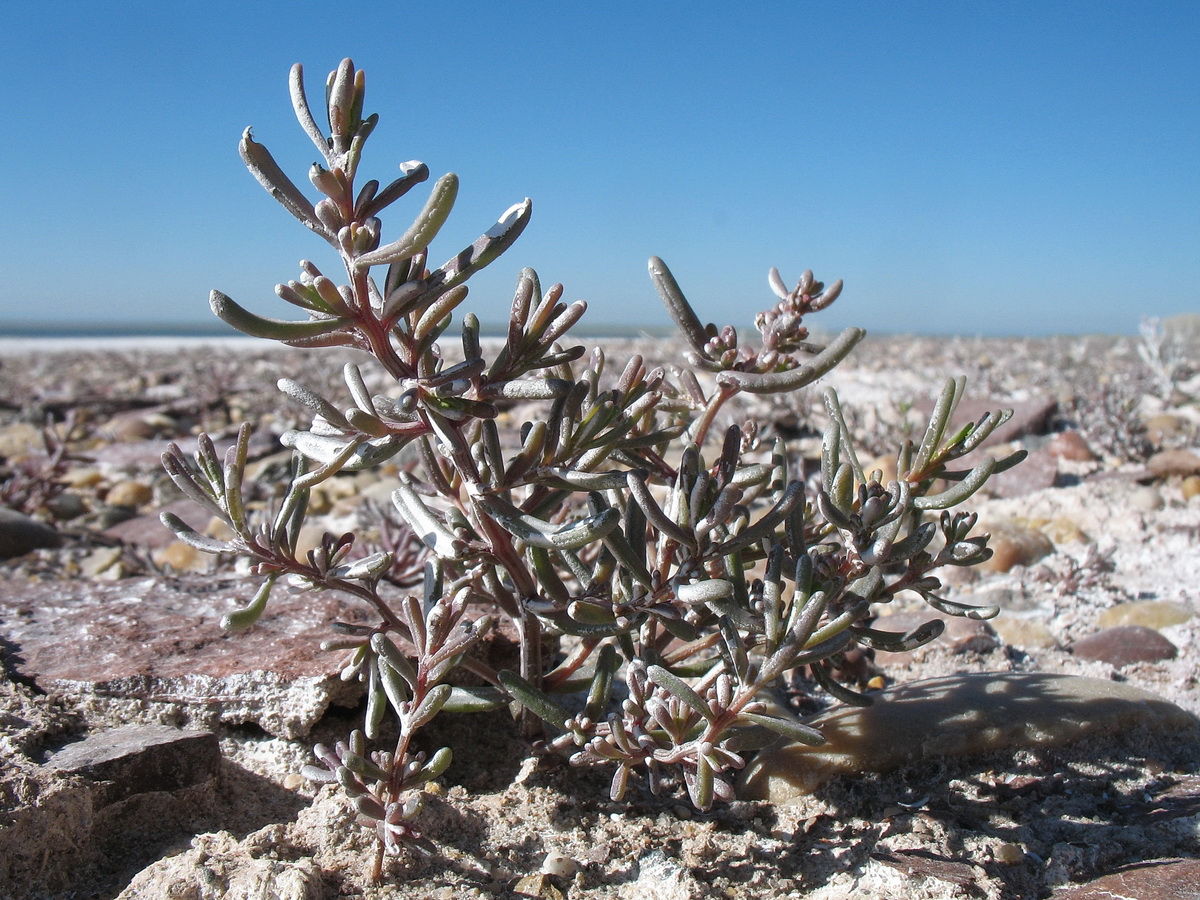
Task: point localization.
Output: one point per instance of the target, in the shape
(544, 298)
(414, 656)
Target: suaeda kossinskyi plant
(621, 537)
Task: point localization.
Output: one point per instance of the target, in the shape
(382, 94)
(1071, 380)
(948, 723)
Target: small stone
(129, 493)
(19, 534)
(1070, 445)
(82, 477)
(538, 886)
(181, 557)
(1062, 530)
(559, 864)
(1145, 498)
(20, 439)
(1024, 633)
(958, 716)
(293, 782)
(1159, 879)
(137, 759)
(1010, 854)
(1148, 613)
(66, 506)
(1162, 427)
(1124, 645)
(102, 563)
(1190, 487)
(1173, 462)
(1013, 544)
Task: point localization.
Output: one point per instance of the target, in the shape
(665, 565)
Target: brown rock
(1160, 879)
(1070, 445)
(1124, 645)
(137, 759)
(957, 716)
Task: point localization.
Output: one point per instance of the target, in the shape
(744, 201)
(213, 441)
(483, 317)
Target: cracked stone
(137, 759)
(136, 641)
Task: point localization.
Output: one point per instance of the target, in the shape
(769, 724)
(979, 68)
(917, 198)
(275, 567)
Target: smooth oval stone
(1014, 544)
(1149, 613)
(1025, 633)
(20, 534)
(1125, 644)
(961, 715)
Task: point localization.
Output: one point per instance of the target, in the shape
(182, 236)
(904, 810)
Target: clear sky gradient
(978, 168)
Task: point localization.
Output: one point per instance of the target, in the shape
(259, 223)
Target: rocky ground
(1053, 751)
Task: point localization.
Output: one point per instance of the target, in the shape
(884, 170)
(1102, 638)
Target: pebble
(102, 563)
(66, 506)
(129, 493)
(1014, 544)
(181, 557)
(20, 534)
(1024, 633)
(1190, 487)
(82, 477)
(1070, 445)
(1148, 613)
(1173, 462)
(559, 864)
(1010, 854)
(20, 439)
(1162, 427)
(957, 716)
(1124, 645)
(1145, 498)
(539, 886)
(1159, 879)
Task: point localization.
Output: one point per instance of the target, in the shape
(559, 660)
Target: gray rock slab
(19, 534)
(957, 716)
(149, 640)
(137, 759)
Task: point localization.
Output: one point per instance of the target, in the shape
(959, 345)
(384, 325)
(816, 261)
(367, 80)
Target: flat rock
(1036, 472)
(1029, 416)
(1160, 879)
(957, 716)
(148, 640)
(137, 759)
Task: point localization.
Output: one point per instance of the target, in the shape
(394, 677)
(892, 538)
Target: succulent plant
(623, 541)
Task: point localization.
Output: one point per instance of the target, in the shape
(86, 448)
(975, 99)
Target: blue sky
(979, 168)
